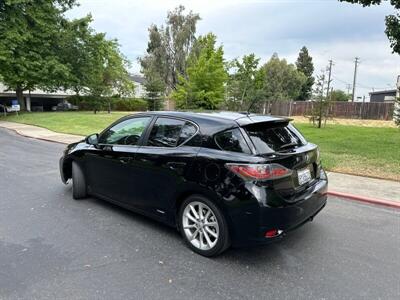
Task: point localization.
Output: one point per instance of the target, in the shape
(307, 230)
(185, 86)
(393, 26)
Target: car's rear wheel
(78, 182)
(203, 226)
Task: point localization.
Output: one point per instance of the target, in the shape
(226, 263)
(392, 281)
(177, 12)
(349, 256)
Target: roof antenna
(251, 106)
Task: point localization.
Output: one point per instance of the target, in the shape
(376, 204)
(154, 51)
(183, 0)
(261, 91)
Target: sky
(328, 28)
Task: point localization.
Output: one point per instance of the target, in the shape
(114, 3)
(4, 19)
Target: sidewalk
(377, 191)
(41, 133)
(365, 189)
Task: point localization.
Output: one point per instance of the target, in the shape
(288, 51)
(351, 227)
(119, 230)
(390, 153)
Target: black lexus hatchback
(221, 178)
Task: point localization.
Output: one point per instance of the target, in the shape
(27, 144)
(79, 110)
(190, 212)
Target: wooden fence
(348, 110)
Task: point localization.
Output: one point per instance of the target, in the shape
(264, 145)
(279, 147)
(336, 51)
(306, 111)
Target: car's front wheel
(78, 182)
(203, 226)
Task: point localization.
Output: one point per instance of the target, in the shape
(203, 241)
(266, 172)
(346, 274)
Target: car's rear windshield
(269, 137)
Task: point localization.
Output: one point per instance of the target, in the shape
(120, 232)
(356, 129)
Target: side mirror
(92, 139)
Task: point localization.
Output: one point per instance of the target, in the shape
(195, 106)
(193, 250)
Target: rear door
(164, 163)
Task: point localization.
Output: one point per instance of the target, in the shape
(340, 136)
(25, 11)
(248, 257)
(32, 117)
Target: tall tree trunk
(20, 96)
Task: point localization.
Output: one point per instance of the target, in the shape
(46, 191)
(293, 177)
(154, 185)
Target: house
(383, 96)
(36, 100)
(139, 81)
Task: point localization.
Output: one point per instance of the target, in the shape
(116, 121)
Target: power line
(341, 80)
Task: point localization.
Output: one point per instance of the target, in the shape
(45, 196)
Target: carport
(36, 100)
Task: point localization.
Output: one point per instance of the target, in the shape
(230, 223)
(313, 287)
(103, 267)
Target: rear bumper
(251, 228)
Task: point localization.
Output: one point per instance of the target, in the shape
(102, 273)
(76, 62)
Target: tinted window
(269, 138)
(187, 132)
(127, 132)
(232, 140)
(165, 132)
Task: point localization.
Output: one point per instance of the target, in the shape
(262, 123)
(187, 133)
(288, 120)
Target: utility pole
(321, 100)
(356, 62)
(329, 77)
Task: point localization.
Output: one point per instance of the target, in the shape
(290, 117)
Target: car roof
(211, 122)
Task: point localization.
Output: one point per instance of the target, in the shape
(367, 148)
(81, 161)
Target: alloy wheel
(200, 225)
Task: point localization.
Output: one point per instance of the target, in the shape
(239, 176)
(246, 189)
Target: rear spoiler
(267, 121)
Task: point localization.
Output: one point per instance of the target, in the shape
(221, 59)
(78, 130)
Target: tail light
(250, 172)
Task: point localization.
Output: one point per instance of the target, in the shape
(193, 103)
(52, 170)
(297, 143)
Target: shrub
(102, 103)
(131, 104)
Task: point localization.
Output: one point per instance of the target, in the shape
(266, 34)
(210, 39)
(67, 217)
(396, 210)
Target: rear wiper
(288, 145)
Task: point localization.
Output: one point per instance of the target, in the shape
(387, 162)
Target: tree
(29, 33)
(392, 21)
(169, 47)
(338, 95)
(203, 86)
(242, 83)
(155, 88)
(109, 75)
(321, 104)
(282, 81)
(96, 65)
(305, 65)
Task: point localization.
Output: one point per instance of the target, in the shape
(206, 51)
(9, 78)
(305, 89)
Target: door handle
(125, 160)
(176, 165)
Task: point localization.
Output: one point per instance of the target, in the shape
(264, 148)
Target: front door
(109, 164)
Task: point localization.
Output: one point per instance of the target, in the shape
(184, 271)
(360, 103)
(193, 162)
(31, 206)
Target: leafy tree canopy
(203, 86)
(244, 84)
(392, 21)
(29, 36)
(40, 47)
(282, 81)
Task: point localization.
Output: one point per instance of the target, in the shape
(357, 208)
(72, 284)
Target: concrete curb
(37, 138)
(375, 201)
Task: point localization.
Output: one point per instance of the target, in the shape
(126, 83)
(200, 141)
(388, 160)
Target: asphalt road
(52, 247)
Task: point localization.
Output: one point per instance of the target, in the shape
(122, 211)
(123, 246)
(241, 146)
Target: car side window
(165, 132)
(187, 132)
(232, 140)
(127, 132)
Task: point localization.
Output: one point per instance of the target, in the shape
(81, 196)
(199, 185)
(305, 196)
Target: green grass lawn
(370, 151)
(80, 123)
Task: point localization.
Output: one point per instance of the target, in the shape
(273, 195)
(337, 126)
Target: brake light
(250, 172)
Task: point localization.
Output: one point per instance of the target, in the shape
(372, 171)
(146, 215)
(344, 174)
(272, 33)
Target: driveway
(54, 247)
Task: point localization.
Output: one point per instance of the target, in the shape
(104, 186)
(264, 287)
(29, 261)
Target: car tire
(78, 182)
(211, 239)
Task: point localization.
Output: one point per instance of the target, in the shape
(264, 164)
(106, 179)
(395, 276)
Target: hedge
(102, 103)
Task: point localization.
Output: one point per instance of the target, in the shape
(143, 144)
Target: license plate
(304, 175)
